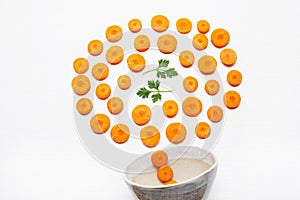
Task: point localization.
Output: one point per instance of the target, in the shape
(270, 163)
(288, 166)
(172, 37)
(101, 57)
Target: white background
(41, 156)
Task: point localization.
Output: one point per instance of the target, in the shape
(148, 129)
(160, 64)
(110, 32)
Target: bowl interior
(143, 164)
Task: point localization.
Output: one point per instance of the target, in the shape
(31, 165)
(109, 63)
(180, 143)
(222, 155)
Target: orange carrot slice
(141, 43)
(190, 84)
(84, 106)
(136, 62)
(232, 99)
(176, 132)
(114, 33)
(141, 114)
(228, 57)
(150, 136)
(160, 23)
(165, 173)
(114, 55)
(100, 123)
(234, 78)
(192, 106)
(207, 64)
(95, 47)
(171, 182)
(203, 26)
(159, 158)
(212, 87)
(170, 108)
(81, 65)
(184, 25)
(202, 130)
(215, 113)
(100, 71)
(135, 25)
(115, 105)
(103, 91)
(220, 37)
(120, 133)
(200, 41)
(186, 58)
(167, 44)
(124, 82)
(81, 84)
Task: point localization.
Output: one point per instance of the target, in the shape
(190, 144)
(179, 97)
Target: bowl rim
(212, 167)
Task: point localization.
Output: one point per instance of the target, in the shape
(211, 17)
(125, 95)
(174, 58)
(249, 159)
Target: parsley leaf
(156, 97)
(162, 71)
(143, 92)
(156, 93)
(163, 63)
(161, 74)
(153, 84)
(171, 72)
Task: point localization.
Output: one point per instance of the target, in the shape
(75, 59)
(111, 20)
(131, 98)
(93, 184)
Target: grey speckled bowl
(196, 188)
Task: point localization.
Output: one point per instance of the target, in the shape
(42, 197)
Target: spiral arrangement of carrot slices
(166, 43)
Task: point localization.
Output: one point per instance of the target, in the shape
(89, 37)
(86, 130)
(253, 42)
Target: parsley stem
(159, 91)
(152, 70)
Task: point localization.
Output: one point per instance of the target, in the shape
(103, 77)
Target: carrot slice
(141, 43)
(115, 105)
(120, 133)
(124, 82)
(200, 41)
(215, 113)
(192, 106)
(171, 182)
(170, 108)
(167, 44)
(190, 84)
(234, 78)
(186, 58)
(81, 65)
(207, 64)
(103, 91)
(220, 37)
(136, 62)
(183, 25)
(202, 130)
(176, 132)
(135, 25)
(165, 173)
(203, 26)
(160, 23)
(159, 158)
(100, 123)
(84, 106)
(212, 87)
(141, 114)
(228, 57)
(95, 47)
(232, 99)
(81, 84)
(150, 136)
(114, 33)
(100, 71)
(114, 55)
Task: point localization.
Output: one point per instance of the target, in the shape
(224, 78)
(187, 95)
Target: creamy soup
(183, 169)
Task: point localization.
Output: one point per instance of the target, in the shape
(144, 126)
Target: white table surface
(41, 156)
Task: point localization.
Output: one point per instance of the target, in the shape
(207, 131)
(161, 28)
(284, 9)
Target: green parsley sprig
(156, 92)
(162, 71)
